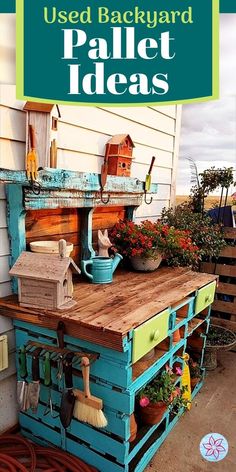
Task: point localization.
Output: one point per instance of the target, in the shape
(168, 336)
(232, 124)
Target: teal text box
(140, 61)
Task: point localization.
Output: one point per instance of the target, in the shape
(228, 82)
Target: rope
(18, 454)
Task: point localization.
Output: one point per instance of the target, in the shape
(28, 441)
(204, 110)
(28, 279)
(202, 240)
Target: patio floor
(213, 410)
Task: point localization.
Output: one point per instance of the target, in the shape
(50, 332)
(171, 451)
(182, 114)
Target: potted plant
(178, 401)
(206, 235)
(195, 372)
(147, 243)
(218, 339)
(155, 397)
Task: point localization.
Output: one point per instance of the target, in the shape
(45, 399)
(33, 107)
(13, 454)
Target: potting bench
(118, 323)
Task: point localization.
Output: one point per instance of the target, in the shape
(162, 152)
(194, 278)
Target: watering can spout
(116, 261)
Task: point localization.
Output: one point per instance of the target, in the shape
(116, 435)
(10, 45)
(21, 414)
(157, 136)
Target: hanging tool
(22, 385)
(104, 171)
(87, 407)
(60, 341)
(67, 398)
(53, 154)
(148, 181)
(32, 157)
(34, 386)
(48, 383)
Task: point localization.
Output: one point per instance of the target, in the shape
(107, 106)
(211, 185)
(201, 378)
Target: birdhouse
(44, 280)
(43, 117)
(120, 150)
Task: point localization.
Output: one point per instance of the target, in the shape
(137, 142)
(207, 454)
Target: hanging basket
(146, 264)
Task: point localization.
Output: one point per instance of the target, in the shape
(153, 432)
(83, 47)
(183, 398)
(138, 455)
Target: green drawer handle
(208, 298)
(155, 335)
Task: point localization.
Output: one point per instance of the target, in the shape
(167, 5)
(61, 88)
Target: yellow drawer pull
(155, 335)
(208, 298)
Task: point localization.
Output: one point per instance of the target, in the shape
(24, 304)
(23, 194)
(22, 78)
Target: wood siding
(82, 135)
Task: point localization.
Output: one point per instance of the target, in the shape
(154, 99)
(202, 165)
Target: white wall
(82, 135)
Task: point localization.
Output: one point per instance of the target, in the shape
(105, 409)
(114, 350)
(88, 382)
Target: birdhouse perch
(120, 155)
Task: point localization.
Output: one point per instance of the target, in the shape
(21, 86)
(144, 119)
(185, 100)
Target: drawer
(205, 297)
(149, 334)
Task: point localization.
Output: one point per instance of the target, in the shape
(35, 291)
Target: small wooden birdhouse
(43, 117)
(44, 280)
(120, 150)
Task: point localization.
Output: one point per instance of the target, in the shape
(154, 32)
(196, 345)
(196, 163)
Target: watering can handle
(84, 264)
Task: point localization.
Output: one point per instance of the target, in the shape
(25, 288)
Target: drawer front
(149, 334)
(205, 297)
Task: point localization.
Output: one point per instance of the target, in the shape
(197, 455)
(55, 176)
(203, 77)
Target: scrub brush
(87, 407)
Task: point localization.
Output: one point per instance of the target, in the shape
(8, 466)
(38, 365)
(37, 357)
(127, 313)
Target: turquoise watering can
(102, 268)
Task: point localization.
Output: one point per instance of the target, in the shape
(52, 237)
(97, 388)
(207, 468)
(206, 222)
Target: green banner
(226, 6)
(7, 6)
(75, 52)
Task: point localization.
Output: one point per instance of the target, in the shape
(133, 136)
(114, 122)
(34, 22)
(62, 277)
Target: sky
(208, 132)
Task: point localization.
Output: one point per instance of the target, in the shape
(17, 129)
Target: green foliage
(145, 239)
(194, 368)
(163, 389)
(210, 180)
(206, 235)
(160, 389)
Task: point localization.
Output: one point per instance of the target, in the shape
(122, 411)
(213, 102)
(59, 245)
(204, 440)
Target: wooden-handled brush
(87, 407)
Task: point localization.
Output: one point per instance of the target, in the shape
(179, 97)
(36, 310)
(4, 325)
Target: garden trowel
(148, 176)
(67, 398)
(22, 385)
(34, 386)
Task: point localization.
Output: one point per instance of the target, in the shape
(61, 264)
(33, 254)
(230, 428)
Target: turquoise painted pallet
(111, 379)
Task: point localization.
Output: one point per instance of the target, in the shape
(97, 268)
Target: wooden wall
(65, 223)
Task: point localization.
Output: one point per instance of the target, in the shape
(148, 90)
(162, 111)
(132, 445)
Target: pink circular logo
(214, 447)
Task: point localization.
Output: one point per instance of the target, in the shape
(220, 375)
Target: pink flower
(144, 401)
(168, 369)
(178, 371)
(214, 447)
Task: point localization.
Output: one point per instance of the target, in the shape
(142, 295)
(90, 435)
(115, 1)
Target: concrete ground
(213, 410)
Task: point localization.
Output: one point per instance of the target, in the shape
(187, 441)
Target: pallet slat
(219, 269)
(229, 251)
(226, 288)
(225, 307)
(230, 233)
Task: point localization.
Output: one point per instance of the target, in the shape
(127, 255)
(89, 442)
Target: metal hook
(145, 199)
(102, 199)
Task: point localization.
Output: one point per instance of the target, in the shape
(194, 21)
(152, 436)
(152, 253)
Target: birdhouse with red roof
(120, 150)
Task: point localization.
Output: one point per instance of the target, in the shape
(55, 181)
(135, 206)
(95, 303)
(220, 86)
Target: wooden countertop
(105, 314)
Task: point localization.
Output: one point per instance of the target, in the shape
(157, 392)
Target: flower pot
(194, 382)
(152, 414)
(225, 341)
(176, 336)
(146, 264)
(133, 428)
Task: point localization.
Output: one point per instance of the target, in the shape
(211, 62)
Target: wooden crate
(224, 306)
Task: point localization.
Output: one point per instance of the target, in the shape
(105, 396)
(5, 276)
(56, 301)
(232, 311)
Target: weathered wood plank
(219, 269)
(225, 307)
(225, 323)
(51, 222)
(230, 233)
(105, 314)
(227, 289)
(87, 201)
(70, 180)
(229, 251)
